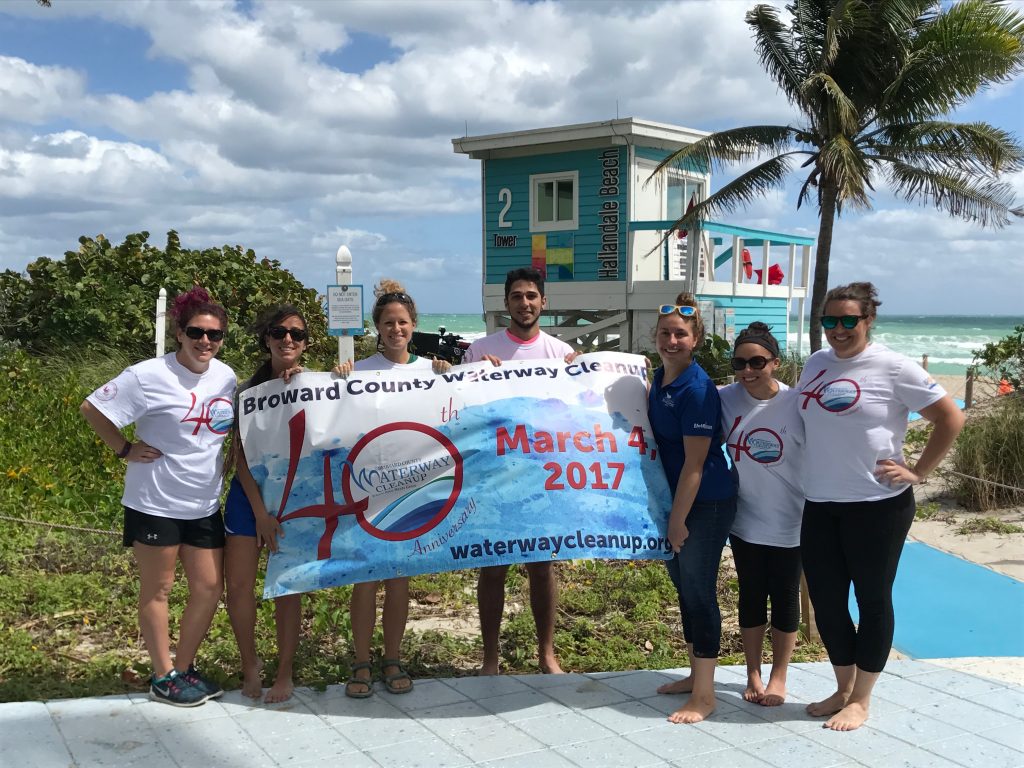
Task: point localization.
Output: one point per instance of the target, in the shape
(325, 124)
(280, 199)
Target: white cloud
(271, 146)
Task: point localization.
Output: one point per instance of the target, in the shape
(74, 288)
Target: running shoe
(175, 690)
(202, 683)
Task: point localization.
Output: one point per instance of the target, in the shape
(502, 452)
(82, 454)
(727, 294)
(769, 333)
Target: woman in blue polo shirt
(685, 414)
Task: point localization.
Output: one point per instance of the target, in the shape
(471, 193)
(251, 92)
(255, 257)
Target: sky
(293, 127)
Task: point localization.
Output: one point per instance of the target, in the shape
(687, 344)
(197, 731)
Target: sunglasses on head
(196, 333)
(828, 322)
(279, 332)
(668, 309)
(387, 298)
(757, 362)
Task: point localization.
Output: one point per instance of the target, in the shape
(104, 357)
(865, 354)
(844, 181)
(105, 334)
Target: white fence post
(161, 321)
(346, 344)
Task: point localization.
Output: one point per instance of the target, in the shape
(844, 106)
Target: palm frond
(773, 42)
(839, 112)
(966, 48)
(736, 144)
(741, 191)
(941, 144)
(843, 164)
(986, 202)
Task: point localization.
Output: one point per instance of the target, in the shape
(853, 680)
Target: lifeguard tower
(579, 202)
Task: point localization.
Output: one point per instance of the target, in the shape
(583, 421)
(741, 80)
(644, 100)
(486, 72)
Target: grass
(991, 447)
(68, 624)
(987, 525)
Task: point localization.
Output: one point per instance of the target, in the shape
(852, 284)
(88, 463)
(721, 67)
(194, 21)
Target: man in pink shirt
(522, 340)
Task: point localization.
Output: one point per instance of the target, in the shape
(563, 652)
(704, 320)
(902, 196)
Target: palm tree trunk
(827, 217)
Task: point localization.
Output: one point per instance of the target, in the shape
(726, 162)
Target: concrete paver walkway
(924, 715)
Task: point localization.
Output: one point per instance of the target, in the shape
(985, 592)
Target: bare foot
(489, 668)
(774, 694)
(693, 711)
(849, 718)
(679, 686)
(280, 691)
(755, 688)
(551, 666)
(252, 681)
(828, 706)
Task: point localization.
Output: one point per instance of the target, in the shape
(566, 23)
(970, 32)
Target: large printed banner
(398, 473)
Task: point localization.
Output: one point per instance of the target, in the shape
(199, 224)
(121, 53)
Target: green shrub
(1005, 357)
(991, 448)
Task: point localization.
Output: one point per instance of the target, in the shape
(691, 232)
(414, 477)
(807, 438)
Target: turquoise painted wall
(514, 174)
(748, 309)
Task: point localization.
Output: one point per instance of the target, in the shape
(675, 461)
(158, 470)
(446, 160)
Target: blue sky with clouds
(293, 127)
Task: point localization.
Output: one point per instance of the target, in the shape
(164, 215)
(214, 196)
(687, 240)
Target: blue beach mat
(947, 607)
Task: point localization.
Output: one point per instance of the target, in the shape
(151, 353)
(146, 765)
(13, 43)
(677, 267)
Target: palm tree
(873, 81)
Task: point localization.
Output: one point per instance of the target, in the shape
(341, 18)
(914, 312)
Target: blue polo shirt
(690, 406)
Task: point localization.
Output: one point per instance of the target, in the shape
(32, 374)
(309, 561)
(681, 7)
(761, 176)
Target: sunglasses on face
(756, 363)
(387, 298)
(196, 333)
(668, 309)
(828, 322)
(278, 332)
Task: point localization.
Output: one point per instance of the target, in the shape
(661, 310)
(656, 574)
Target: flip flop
(353, 680)
(390, 680)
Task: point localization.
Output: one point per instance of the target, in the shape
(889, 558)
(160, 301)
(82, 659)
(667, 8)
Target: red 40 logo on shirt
(218, 415)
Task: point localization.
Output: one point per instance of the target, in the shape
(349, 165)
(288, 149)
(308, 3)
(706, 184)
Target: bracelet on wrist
(123, 453)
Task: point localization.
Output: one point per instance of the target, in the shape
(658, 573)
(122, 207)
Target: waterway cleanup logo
(400, 481)
(409, 474)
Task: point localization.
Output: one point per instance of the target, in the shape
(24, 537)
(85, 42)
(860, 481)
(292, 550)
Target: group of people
(811, 478)
(806, 478)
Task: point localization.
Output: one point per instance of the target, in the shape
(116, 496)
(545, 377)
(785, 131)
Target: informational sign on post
(345, 310)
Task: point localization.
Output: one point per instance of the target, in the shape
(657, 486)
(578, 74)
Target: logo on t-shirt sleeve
(107, 392)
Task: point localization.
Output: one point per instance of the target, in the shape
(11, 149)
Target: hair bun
(759, 327)
(386, 286)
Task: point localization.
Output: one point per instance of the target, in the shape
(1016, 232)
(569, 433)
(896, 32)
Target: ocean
(949, 340)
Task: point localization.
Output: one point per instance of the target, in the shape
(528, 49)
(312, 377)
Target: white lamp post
(346, 344)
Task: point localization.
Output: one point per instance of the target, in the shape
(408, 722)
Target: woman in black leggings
(764, 440)
(855, 399)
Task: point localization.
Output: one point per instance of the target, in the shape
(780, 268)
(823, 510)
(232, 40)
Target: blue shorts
(238, 516)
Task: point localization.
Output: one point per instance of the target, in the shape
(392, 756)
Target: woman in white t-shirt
(764, 437)
(394, 316)
(855, 399)
(181, 405)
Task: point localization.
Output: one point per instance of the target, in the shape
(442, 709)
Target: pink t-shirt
(504, 346)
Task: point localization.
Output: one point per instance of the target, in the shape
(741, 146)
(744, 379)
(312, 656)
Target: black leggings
(767, 572)
(856, 542)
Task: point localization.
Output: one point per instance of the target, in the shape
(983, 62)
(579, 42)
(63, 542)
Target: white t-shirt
(186, 416)
(764, 440)
(855, 414)
(378, 362)
(504, 346)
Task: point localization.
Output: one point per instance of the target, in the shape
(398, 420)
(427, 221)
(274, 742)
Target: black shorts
(205, 533)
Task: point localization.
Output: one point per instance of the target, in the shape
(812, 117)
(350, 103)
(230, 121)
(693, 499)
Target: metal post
(346, 344)
(161, 321)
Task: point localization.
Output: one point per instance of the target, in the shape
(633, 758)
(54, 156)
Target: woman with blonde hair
(394, 317)
(685, 414)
